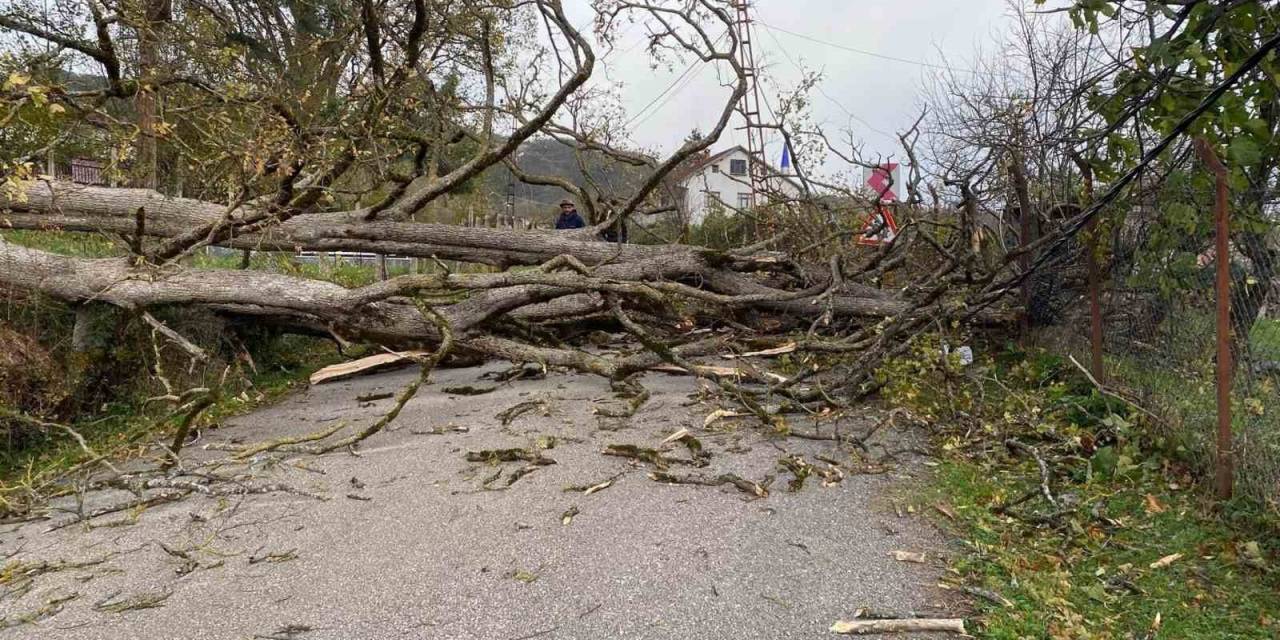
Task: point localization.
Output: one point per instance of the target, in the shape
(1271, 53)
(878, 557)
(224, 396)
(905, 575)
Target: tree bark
(371, 313)
(156, 14)
(70, 207)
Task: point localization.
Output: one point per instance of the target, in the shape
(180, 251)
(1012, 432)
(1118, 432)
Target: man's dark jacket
(570, 220)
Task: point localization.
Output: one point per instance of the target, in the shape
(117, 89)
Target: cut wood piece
(905, 625)
(713, 371)
(674, 437)
(722, 413)
(910, 556)
(776, 351)
(371, 364)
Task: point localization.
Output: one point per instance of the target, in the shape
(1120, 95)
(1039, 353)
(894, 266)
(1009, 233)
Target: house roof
(693, 169)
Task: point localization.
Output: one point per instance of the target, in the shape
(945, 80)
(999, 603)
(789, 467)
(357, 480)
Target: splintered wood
(371, 364)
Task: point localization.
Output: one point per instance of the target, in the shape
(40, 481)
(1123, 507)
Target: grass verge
(127, 428)
(1128, 547)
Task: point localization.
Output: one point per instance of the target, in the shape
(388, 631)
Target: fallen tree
(723, 278)
(414, 122)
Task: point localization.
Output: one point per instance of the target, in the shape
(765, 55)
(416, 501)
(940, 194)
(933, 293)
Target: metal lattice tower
(511, 184)
(749, 106)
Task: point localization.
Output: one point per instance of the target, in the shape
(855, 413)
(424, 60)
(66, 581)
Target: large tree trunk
(72, 207)
(156, 15)
(371, 313)
(60, 205)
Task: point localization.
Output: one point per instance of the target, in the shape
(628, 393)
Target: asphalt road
(409, 542)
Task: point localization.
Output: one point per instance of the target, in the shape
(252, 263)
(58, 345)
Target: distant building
(723, 182)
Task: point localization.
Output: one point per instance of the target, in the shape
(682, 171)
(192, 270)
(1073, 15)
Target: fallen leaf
(1153, 505)
(597, 487)
(1165, 561)
(944, 509)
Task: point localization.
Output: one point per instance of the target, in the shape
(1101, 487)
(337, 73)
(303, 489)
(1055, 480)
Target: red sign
(879, 228)
(883, 180)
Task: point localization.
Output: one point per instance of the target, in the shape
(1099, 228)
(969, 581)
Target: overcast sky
(876, 96)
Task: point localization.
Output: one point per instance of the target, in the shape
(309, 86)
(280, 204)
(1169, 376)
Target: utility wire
(822, 91)
(659, 100)
(864, 52)
(636, 119)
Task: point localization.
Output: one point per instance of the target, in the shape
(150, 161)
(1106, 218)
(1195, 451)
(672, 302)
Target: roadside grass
(90, 245)
(126, 428)
(347, 272)
(1131, 547)
(84, 245)
(1095, 579)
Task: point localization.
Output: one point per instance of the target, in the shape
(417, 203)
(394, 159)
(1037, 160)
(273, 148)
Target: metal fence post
(1224, 472)
(1095, 285)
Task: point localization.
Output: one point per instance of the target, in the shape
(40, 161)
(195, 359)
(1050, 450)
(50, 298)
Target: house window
(744, 200)
(737, 167)
(715, 168)
(714, 196)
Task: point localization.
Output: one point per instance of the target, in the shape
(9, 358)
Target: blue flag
(786, 157)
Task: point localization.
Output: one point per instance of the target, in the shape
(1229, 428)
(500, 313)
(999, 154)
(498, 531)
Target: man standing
(569, 218)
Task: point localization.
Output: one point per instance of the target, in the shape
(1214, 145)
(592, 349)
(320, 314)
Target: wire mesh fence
(1158, 295)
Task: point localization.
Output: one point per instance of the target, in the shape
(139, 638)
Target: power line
(693, 65)
(636, 119)
(818, 86)
(872, 54)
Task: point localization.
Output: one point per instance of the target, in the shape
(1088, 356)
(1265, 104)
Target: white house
(722, 181)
